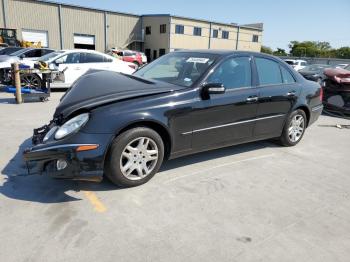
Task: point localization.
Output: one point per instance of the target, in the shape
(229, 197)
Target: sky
(284, 20)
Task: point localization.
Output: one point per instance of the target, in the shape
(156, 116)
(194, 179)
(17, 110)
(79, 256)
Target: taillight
(321, 93)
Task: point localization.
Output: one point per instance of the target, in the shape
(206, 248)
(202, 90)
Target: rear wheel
(135, 156)
(294, 128)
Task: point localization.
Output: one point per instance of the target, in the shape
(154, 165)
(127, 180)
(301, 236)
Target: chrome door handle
(291, 93)
(77, 68)
(252, 99)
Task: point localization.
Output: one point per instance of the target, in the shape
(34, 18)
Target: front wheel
(135, 157)
(294, 128)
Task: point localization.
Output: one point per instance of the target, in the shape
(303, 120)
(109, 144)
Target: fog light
(61, 164)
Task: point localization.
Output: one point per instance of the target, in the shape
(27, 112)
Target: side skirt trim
(232, 124)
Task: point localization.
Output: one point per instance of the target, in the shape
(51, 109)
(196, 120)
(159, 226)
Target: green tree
(266, 50)
(280, 52)
(343, 52)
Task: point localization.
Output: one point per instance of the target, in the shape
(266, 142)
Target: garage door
(84, 41)
(35, 36)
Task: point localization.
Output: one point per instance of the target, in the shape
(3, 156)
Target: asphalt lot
(254, 202)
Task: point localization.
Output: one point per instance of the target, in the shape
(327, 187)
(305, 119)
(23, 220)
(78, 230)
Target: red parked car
(129, 56)
(337, 90)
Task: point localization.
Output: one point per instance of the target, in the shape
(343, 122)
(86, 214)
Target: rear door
(278, 92)
(226, 118)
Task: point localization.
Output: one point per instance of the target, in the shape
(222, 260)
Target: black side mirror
(21, 56)
(211, 89)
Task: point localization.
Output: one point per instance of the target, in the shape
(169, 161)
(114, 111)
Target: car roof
(223, 52)
(81, 50)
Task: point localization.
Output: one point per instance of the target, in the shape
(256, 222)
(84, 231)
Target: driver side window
(233, 73)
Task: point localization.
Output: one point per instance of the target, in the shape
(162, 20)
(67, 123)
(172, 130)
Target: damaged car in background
(124, 126)
(336, 88)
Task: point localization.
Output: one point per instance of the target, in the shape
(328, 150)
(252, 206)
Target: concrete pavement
(254, 202)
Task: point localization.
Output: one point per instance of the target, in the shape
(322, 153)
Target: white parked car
(297, 64)
(74, 63)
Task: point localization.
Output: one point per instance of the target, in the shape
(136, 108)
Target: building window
(148, 30)
(225, 34)
(255, 38)
(215, 33)
(154, 54)
(161, 52)
(163, 29)
(197, 31)
(179, 29)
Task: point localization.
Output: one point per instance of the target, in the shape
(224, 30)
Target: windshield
(19, 52)
(47, 57)
(347, 67)
(179, 68)
(9, 50)
(289, 62)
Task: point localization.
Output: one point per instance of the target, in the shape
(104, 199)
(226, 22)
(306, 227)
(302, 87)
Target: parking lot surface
(253, 202)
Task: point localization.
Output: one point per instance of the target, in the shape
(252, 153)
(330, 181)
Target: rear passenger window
(33, 53)
(287, 76)
(92, 58)
(268, 71)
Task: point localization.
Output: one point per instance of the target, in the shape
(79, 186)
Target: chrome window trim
(232, 124)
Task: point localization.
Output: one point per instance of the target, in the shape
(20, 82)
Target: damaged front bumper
(80, 156)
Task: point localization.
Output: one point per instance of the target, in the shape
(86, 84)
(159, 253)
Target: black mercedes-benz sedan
(125, 126)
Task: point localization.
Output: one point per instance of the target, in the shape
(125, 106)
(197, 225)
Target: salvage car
(314, 72)
(72, 64)
(20, 55)
(125, 126)
(336, 87)
(297, 64)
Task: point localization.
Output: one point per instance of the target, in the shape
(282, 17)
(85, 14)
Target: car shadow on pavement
(7, 101)
(19, 185)
(40, 188)
(217, 153)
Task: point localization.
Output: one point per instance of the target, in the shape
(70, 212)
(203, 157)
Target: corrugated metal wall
(1, 14)
(35, 16)
(82, 21)
(122, 30)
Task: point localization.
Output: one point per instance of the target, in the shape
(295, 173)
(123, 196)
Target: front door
(227, 118)
(278, 91)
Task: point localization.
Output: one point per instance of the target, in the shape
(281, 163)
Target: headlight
(50, 133)
(72, 125)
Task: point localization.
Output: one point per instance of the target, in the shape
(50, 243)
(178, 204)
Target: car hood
(97, 87)
(8, 58)
(339, 75)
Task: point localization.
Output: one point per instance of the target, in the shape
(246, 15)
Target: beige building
(63, 26)
(166, 33)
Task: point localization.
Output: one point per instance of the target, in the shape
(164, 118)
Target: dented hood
(97, 87)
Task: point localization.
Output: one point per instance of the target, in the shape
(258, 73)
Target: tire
(291, 126)
(131, 163)
(33, 81)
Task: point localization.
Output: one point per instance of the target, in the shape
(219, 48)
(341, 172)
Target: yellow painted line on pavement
(98, 205)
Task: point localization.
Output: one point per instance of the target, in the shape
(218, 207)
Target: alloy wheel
(139, 158)
(296, 128)
(31, 81)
